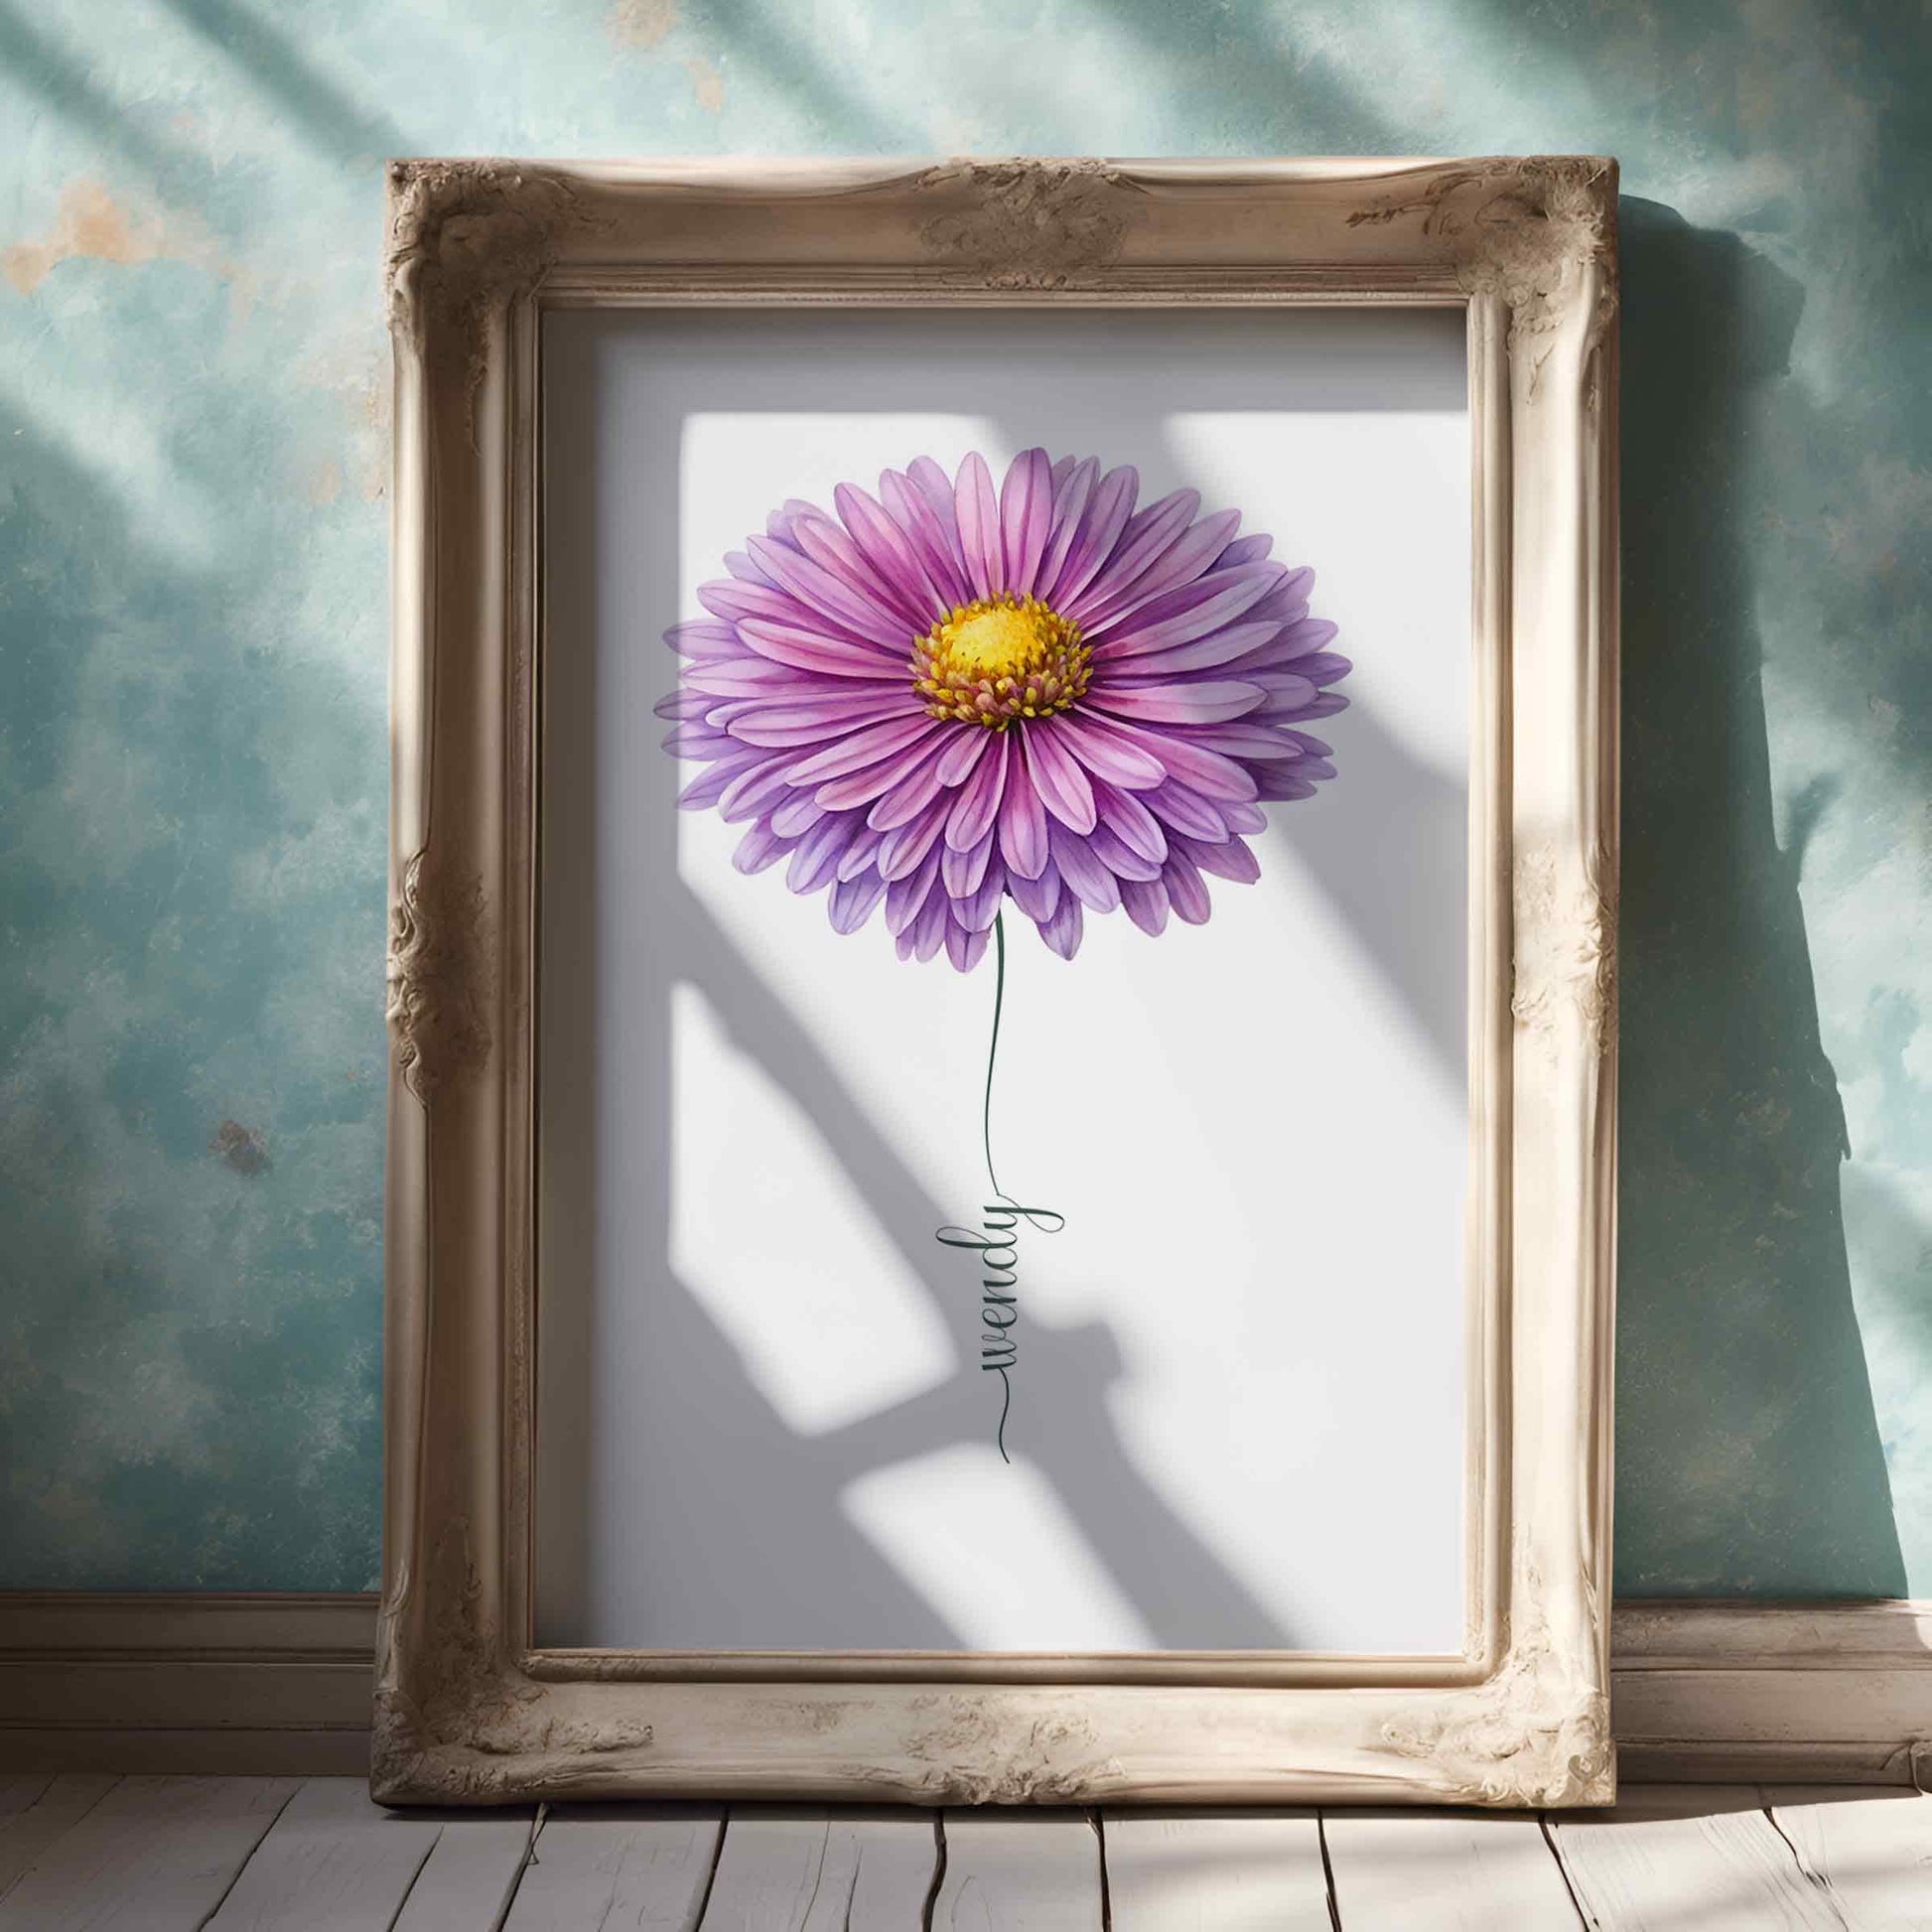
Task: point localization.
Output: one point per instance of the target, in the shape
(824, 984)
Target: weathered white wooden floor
(155, 1854)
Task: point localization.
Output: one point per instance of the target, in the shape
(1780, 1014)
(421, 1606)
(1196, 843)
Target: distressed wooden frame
(466, 1708)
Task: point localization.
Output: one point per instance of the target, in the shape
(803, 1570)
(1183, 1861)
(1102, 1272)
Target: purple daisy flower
(951, 695)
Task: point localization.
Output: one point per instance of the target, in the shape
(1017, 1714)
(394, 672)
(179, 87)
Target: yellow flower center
(998, 659)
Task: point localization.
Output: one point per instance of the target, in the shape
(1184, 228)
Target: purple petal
(863, 747)
(811, 721)
(1063, 786)
(976, 911)
(758, 677)
(1306, 635)
(1101, 523)
(1295, 585)
(1204, 654)
(1025, 516)
(1107, 753)
(754, 790)
(875, 780)
(1129, 821)
(892, 553)
(1098, 888)
(1185, 811)
(1186, 889)
(829, 545)
(709, 785)
(796, 815)
(1147, 903)
(961, 872)
(1118, 856)
(740, 601)
(851, 902)
(977, 803)
(964, 948)
(904, 896)
(1062, 931)
(1323, 706)
(934, 542)
(1070, 493)
(758, 848)
(1146, 539)
(1283, 781)
(1243, 818)
(1210, 775)
(677, 705)
(1204, 703)
(960, 760)
(1243, 550)
(692, 739)
(976, 510)
(1230, 859)
(810, 650)
(704, 641)
(815, 859)
(1200, 608)
(1181, 562)
(820, 588)
(1324, 666)
(928, 931)
(935, 486)
(1023, 823)
(906, 846)
(1285, 687)
(1036, 897)
(1246, 739)
(858, 856)
(909, 798)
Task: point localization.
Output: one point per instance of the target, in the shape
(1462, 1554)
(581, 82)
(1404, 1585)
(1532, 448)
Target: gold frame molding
(466, 1710)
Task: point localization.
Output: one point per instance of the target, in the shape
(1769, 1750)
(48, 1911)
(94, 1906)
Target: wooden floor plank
(1215, 1871)
(1690, 1859)
(333, 1862)
(768, 1870)
(1447, 1871)
(639, 1866)
(26, 1835)
(19, 1790)
(1019, 1871)
(159, 1852)
(466, 1882)
(1869, 1846)
(813, 1870)
(895, 1860)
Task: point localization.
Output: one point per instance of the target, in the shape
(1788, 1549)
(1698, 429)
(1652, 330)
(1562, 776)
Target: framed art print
(1002, 982)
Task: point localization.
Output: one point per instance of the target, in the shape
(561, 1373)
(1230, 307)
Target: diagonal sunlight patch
(994, 1551)
(771, 1236)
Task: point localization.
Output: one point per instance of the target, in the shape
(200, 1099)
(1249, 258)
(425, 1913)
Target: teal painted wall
(192, 787)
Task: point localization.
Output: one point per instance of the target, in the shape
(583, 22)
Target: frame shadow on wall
(1749, 1453)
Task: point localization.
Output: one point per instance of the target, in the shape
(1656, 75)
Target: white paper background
(1238, 1408)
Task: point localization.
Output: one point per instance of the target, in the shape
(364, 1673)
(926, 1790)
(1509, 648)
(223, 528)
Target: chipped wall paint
(192, 790)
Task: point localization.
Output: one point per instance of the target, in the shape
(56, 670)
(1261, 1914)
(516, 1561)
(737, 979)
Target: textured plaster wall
(193, 785)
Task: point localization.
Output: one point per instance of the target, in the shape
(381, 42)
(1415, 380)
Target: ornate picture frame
(467, 1708)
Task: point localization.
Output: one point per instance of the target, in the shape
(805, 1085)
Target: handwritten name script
(997, 1243)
